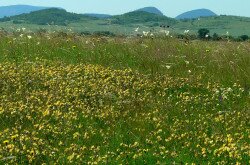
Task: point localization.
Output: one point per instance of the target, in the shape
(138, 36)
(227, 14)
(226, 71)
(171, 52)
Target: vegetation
(142, 17)
(152, 10)
(98, 100)
(203, 33)
(125, 24)
(195, 14)
(52, 16)
(244, 37)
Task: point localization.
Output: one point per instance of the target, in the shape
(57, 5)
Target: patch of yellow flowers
(51, 112)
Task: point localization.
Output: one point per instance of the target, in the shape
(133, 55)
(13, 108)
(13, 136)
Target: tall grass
(89, 100)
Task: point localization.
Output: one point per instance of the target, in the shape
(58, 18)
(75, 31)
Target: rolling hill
(196, 14)
(6, 11)
(52, 16)
(234, 25)
(126, 23)
(141, 17)
(152, 10)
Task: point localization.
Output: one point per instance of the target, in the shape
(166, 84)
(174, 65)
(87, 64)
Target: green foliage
(17, 22)
(244, 37)
(52, 16)
(141, 17)
(4, 19)
(215, 37)
(67, 99)
(202, 33)
(104, 33)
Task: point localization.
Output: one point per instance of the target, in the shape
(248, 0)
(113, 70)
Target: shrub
(202, 33)
(244, 37)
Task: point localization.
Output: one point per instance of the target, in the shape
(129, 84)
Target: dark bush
(202, 33)
(104, 33)
(244, 37)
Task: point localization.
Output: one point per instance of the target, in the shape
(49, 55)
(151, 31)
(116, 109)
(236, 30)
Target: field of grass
(67, 99)
(235, 26)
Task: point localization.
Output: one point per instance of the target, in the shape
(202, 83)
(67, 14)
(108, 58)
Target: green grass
(88, 100)
(236, 26)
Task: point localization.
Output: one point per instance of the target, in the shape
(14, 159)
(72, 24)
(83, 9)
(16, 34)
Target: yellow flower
(76, 135)
(71, 157)
(14, 137)
(6, 142)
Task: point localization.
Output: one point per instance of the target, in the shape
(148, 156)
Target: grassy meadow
(69, 99)
(235, 26)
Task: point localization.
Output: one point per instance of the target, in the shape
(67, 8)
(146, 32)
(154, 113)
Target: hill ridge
(196, 13)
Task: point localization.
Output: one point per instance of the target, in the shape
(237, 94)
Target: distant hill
(152, 10)
(53, 16)
(6, 11)
(196, 14)
(234, 25)
(141, 17)
(98, 15)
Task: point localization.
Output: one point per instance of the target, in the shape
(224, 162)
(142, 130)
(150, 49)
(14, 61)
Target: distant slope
(152, 10)
(235, 25)
(98, 15)
(52, 16)
(196, 14)
(18, 9)
(141, 17)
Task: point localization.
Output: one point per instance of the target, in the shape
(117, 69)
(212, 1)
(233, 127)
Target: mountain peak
(197, 13)
(150, 9)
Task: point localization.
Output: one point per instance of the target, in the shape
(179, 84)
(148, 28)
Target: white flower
(21, 35)
(167, 33)
(23, 29)
(186, 31)
(189, 71)
(145, 33)
(206, 35)
(29, 37)
(187, 62)
(229, 89)
(151, 34)
(227, 33)
(137, 29)
(168, 66)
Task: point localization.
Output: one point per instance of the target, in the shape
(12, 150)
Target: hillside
(234, 25)
(6, 11)
(126, 23)
(196, 14)
(152, 10)
(142, 17)
(52, 16)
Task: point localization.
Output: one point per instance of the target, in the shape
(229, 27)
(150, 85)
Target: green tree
(202, 33)
(215, 37)
(244, 37)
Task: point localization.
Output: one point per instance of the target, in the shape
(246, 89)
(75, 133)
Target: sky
(170, 8)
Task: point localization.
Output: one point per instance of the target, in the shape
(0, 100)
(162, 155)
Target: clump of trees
(205, 34)
(244, 37)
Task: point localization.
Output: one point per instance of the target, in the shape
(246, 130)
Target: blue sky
(170, 8)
